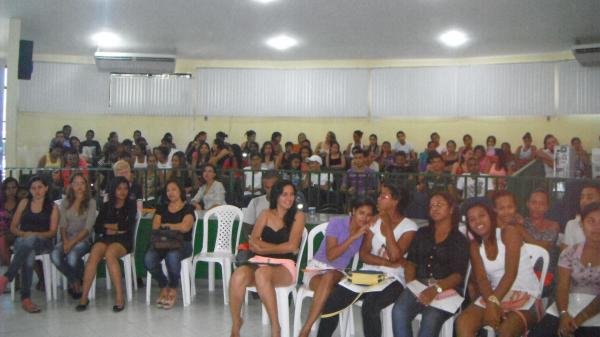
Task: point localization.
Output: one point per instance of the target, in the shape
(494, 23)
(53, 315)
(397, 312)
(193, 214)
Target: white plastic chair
(128, 268)
(185, 274)
(222, 253)
(282, 294)
(304, 291)
(47, 267)
(536, 253)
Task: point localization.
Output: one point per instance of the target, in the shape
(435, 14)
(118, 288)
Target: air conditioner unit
(587, 55)
(135, 63)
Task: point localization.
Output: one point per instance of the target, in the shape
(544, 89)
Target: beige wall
(34, 130)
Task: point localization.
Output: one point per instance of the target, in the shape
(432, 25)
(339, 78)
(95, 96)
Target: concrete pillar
(12, 91)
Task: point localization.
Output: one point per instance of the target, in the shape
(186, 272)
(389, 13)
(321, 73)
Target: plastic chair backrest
(226, 216)
(138, 219)
(301, 252)
(536, 253)
(319, 229)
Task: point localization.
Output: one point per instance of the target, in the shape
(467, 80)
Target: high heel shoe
(82, 307)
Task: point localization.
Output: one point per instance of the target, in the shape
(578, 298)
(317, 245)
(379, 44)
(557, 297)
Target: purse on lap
(166, 239)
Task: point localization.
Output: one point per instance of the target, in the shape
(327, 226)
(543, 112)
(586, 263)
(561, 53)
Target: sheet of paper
(577, 302)
(449, 304)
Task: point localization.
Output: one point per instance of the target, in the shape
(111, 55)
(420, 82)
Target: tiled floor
(205, 317)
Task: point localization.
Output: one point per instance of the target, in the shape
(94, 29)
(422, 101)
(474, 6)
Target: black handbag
(166, 239)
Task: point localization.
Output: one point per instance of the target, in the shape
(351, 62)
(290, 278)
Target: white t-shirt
(549, 170)
(252, 179)
(474, 187)
(374, 166)
(255, 207)
(574, 232)
(378, 247)
(407, 147)
(320, 179)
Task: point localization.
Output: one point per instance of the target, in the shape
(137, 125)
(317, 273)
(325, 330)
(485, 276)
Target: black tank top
(35, 222)
(334, 162)
(277, 237)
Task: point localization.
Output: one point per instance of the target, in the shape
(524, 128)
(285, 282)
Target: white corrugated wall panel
(506, 89)
(156, 95)
(64, 88)
(267, 92)
(579, 89)
(427, 91)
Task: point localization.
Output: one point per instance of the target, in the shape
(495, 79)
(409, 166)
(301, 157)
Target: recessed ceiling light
(265, 1)
(453, 38)
(281, 42)
(106, 39)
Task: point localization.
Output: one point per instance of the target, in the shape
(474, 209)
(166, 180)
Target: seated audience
(461, 167)
(258, 204)
(276, 235)
(509, 158)
(473, 183)
(250, 138)
(140, 158)
(578, 274)
(484, 161)
(373, 148)
(90, 148)
(323, 148)
(9, 200)
(467, 145)
(334, 159)
(437, 258)
(386, 157)
(270, 160)
(450, 156)
(212, 193)
(175, 215)
(435, 180)
(77, 217)
(180, 172)
(383, 249)
(356, 143)
(200, 157)
(505, 206)
(590, 193)
(219, 153)
(342, 241)
(114, 227)
(583, 164)
(546, 155)
(403, 145)
(359, 179)
(509, 299)
(34, 225)
(53, 159)
(73, 164)
(526, 152)
(252, 175)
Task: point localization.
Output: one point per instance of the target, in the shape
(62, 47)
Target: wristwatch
(438, 289)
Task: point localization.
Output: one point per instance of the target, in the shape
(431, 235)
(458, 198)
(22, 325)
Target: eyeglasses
(384, 196)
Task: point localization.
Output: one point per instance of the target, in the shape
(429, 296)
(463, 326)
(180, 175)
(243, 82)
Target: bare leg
(96, 255)
(113, 254)
(322, 286)
(513, 324)
(469, 321)
(240, 279)
(267, 278)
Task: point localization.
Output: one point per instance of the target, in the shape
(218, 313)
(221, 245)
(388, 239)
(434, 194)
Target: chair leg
(134, 272)
(148, 284)
(107, 277)
(211, 276)
(128, 282)
(283, 312)
(447, 328)
(192, 276)
(47, 267)
(226, 268)
(387, 329)
(351, 313)
(185, 284)
(298, 313)
(55, 278)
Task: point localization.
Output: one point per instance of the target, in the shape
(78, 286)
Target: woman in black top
(115, 226)
(34, 224)
(277, 235)
(179, 216)
(438, 258)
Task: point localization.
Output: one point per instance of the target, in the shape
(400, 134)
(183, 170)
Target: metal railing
(328, 191)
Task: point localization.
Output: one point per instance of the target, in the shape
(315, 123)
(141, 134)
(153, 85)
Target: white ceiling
(327, 29)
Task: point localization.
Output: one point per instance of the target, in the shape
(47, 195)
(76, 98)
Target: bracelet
(493, 299)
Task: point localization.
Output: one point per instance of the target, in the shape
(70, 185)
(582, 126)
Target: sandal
(170, 301)
(162, 298)
(29, 306)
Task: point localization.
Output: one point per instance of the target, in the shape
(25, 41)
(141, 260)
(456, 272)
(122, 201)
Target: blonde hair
(120, 166)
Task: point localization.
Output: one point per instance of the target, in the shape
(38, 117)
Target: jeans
(172, 258)
(25, 250)
(373, 303)
(407, 308)
(548, 327)
(70, 264)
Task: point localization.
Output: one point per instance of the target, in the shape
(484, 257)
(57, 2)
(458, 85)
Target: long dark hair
(48, 203)
(237, 155)
(398, 194)
(452, 204)
(491, 213)
(276, 191)
(3, 188)
(595, 206)
(112, 190)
